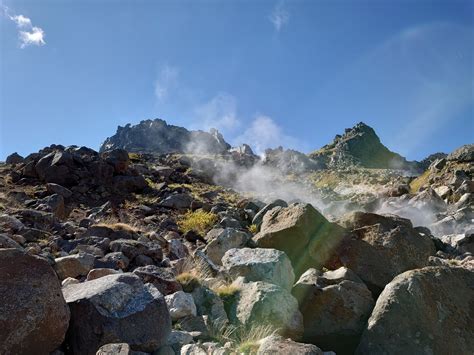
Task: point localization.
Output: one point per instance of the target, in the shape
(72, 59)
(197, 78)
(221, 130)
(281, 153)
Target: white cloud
(265, 133)
(33, 37)
(28, 34)
(166, 81)
(279, 16)
(220, 112)
(21, 21)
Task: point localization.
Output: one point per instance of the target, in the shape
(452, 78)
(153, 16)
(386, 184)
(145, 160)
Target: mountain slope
(360, 146)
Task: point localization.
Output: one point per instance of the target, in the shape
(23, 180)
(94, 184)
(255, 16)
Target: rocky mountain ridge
(358, 146)
(361, 146)
(156, 136)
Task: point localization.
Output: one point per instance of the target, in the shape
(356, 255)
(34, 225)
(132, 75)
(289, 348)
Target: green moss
(199, 221)
(253, 228)
(421, 180)
(134, 156)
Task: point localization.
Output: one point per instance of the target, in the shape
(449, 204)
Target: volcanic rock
(381, 247)
(116, 309)
(360, 146)
(33, 313)
(260, 264)
(335, 307)
(156, 136)
(423, 311)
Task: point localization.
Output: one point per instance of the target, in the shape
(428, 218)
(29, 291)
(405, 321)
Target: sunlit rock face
(360, 146)
(424, 311)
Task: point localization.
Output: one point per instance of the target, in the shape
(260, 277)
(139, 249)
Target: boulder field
(143, 252)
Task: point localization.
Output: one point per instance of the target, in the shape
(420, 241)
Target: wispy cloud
(220, 112)
(27, 34)
(279, 16)
(33, 37)
(166, 81)
(263, 132)
(21, 21)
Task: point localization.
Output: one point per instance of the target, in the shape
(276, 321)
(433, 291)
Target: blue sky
(269, 73)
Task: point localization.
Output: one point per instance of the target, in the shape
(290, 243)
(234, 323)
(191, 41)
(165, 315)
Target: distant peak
(157, 136)
(361, 146)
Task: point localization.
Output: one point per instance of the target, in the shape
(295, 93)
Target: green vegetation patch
(199, 221)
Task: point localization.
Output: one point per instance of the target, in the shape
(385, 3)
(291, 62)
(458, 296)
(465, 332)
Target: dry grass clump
(199, 221)
(134, 156)
(228, 293)
(188, 281)
(247, 339)
(225, 291)
(244, 340)
(194, 273)
(117, 226)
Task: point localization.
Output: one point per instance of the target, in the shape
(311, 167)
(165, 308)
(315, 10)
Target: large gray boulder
(33, 313)
(259, 264)
(302, 233)
(221, 240)
(260, 303)
(335, 307)
(258, 219)
(288, 228)
(381, 247)
(116, 309)
(425, 311)
(56, 167)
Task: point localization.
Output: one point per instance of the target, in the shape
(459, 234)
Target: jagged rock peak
(157, 136)
(290, 161)
(360, 146)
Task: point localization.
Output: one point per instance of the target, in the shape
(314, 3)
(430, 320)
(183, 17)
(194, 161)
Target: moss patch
(421, 180)
(199, 221)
